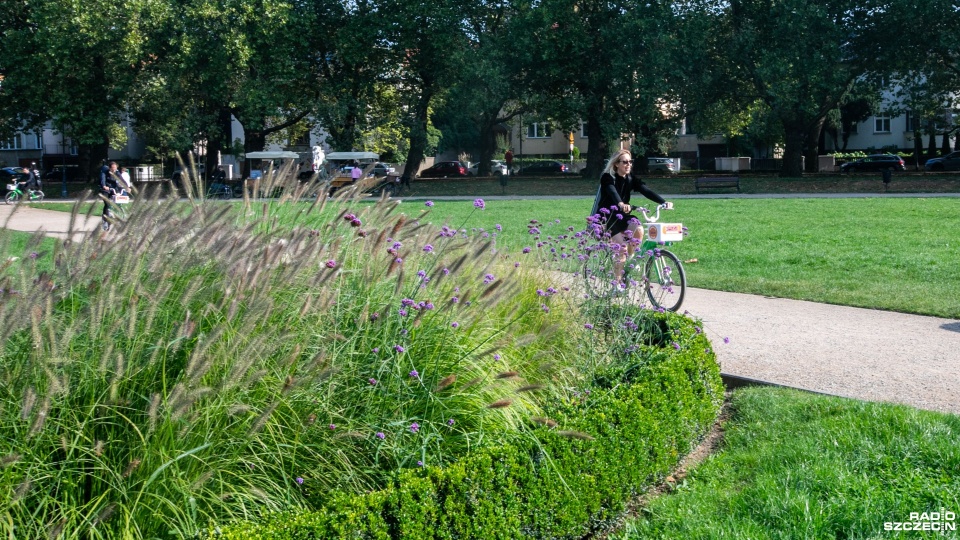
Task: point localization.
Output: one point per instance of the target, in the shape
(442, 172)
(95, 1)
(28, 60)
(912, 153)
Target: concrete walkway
(839, 350)
(852, 352)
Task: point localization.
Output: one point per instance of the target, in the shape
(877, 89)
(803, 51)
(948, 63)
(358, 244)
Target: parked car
(949, 162)
(497, 167)
(382, 169)
(875, 162)
(543, 168)
(9, 174)
(444, 169)
(74, 173)
(660, 164)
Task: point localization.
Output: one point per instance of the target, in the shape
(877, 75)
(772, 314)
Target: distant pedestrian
(508, 157)
(125, 175)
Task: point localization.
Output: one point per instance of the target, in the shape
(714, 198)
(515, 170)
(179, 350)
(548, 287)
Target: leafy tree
(800, 60)
(426, 39)
(75, 64)
(598, 62)
(489, 89)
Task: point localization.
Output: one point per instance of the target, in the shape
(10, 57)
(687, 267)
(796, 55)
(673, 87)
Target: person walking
(612, 209)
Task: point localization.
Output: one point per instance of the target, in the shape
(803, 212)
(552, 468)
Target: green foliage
(227, 364)
(798, 465)
(593, 451)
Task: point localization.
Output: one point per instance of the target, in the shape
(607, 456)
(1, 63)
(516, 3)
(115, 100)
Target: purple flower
(676, 345)
(726, 340)
(516, 265)
(299, 481)
(534, 230)
(398, 260)
(428, 248)
(414, 374)
(455, 299)
(488, 278)
(349, 217)
(455, 324)
(414, 427)
(498, 227)
(408, 302)
(419, 464)
(331, 263)
(397, 245)
(428, 204)
(403, 312)
(588, 326)
(421, 273)
(372, 381)
(398, 348)
(332, 427)
(381, 435)
(445, 271)
(479, 204)
(496, 356)
(526, 250)
(450, 422)
(545, 308)
(356, 223)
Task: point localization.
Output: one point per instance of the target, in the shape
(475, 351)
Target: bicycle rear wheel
(664, 280)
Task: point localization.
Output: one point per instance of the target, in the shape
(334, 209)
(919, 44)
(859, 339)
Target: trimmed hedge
(614, 442)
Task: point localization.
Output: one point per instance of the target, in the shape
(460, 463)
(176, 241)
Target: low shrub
(573, 474)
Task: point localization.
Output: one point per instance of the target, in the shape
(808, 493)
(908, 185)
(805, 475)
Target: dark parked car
(382, 169)
(543, 168)
(875, 162)
(74, 174)
(949, 162)
(444, 169)
(8, 174)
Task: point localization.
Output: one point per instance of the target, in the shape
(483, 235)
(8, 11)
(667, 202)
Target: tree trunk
(917, 149)
(418, 135)
(945, 145)
(932, 145)
(793, 151)
(599, 150)
(488, 143)
(812, 153)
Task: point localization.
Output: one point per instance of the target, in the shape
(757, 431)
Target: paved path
(845, 351)
(853, 352)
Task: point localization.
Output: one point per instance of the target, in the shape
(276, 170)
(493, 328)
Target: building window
(539, 130)
(881, 124)
(583, 130)
(13, 143)
(688, 127)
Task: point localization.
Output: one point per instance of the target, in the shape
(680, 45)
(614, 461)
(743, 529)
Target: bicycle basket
(664, 232)
(121, 199)
(11, 187)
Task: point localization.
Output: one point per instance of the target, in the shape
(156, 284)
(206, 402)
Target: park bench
(717, 182)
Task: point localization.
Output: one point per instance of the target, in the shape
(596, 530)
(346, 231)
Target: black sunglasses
(626, 161)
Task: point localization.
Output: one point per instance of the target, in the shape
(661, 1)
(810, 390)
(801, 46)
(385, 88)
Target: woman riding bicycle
(611, 208)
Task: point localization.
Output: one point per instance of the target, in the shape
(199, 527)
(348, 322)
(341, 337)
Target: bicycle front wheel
(12, 197)
(665, 280)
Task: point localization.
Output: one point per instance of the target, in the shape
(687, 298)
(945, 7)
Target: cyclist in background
(110, 184)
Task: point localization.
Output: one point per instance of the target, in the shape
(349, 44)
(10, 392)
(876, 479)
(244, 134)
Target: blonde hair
(612, 162)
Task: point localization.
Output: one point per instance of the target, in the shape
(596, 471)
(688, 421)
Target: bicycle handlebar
(655, 217)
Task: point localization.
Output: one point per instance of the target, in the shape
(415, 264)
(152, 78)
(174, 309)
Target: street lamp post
(63, 189)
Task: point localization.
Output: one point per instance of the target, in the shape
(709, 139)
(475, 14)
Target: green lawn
(900, 254)
(893, 254)
(798, 465)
